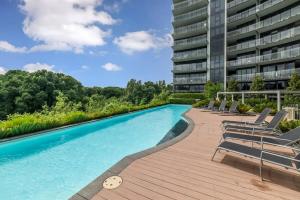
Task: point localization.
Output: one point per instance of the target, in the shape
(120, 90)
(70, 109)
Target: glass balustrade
(194, 67)
(253, 10)
(199, 40)
(198, 80)
(286, 54)
(235, 3)
(191, 28)
(267, 22)
(197, 13)
(194, 54)
(274, 75)
(185, 4)
(266, 40)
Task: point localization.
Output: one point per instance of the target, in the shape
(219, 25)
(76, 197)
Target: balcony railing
(186, 4)
(290, 33)
(198, 80)
(286, 54)
(235, 3)
(200, 26)
(267, 22)
(199, 40)
(190, 55)
(202, 12)
(253, 10)
(268, 76)
(187, 68)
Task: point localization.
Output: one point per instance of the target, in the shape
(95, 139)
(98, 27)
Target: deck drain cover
(112, 182)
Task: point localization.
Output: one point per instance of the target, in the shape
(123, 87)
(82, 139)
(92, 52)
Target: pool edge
(89, 191)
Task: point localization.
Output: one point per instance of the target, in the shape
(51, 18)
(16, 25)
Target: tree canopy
(24, 92)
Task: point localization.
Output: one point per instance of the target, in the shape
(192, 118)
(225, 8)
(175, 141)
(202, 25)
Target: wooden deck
(184, 171)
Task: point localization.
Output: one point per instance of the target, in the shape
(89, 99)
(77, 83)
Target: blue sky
(99, 42)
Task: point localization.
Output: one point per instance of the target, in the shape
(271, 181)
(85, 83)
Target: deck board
(184, 171)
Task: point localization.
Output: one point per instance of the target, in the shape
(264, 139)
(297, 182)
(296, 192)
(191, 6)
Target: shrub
(243, 108)
(289, 125)
(201, 103)
(188, 95)
(182, 101)
(259, 107)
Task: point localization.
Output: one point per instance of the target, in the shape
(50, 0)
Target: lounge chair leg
(212, 158)
(260, 170)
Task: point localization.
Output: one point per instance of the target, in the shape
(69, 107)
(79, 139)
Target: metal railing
(194, 67)
(267, 22)
(285, 54)
(274, 75)
(266, 40)
(278, 94)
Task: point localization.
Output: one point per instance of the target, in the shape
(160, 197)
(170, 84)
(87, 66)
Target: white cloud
(140, 41)
(33, 67)
(111, 67)
(7, 47)
(65, 25)
(2, 70)
(84, 67)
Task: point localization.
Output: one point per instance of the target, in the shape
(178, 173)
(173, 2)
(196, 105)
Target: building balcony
(190, 68)
(190, 30)
(189, 43)
(265, 42)
(188, 5)
(190, 17)
(267, 76)
(276, 21)
(189, 81)
(281, 56)
(236, 5)
(263, 9)
(190, 55)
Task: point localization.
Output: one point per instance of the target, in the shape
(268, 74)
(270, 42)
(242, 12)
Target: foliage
(41, 100)
(259, 107)
(139, 93)
(257, 84)
(294, 83)
(233, 86)
(19, 124)
(243, 108)
(188, 95)
(182, 101)
(211, 89)
(285, 126)
(202, 103)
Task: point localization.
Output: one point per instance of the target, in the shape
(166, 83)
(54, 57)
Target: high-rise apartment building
(219, 41)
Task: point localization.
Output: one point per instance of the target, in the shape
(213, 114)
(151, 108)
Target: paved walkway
(184, 171)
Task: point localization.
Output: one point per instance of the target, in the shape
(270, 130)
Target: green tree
(211, 89)
(257, 84)
(233, 86)
(294, 83)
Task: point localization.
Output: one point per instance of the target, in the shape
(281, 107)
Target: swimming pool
(58, 164)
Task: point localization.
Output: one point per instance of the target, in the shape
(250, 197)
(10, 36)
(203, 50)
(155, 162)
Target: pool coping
(89, 191)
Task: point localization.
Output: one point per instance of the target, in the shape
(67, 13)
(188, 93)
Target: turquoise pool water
(56, 165)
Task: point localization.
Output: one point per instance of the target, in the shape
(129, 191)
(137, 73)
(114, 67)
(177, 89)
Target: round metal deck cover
(112, 182)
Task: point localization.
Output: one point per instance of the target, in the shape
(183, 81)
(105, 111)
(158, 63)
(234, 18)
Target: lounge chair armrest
(280, 155)
(278, 145)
